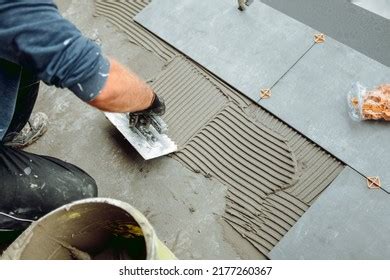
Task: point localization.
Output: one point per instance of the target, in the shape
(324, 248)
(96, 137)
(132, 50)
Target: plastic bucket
(96, 228)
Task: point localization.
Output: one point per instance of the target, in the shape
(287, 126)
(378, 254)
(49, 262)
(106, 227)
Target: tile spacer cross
(265, 93)
(319, 38)
(374, 182)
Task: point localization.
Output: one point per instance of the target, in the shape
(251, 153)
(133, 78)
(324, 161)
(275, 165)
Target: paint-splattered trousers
(33, 185)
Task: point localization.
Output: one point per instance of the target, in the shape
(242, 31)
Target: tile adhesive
(272, 172)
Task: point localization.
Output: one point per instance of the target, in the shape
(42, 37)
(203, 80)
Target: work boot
(32, 131)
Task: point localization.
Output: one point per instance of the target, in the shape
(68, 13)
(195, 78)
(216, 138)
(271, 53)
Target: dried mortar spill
(273, 173)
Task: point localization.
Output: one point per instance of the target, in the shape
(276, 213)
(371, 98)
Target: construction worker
(38, 44)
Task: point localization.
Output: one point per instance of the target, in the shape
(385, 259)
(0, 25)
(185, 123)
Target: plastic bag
(369, 104)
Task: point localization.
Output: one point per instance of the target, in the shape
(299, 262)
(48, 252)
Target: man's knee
(32, 185)
(65, 182)
(76, 183)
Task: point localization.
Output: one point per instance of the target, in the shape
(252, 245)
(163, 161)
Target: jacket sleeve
(34, 35)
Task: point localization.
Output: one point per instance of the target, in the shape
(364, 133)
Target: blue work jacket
(36, 38)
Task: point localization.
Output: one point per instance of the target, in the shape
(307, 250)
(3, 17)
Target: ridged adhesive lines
(264, 228)
(317, 168)
(233, 95)
(192, 100)
(257, 164)
(261, 172)
(245, 155)
(121, 14)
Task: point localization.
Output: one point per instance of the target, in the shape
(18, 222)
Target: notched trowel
(147, 134)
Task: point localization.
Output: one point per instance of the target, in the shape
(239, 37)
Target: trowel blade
(162, 146)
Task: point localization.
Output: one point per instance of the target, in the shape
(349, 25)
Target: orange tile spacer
(319, 38)
(265, 93)
(374, 182)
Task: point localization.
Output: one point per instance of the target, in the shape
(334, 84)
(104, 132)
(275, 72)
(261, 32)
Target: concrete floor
(185, 208)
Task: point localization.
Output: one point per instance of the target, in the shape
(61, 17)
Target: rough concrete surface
(185, 208)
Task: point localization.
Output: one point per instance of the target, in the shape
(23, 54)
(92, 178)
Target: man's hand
(142, 117)
(123, 92)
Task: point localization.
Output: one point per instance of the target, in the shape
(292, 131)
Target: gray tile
(349, 24)
(379, 7)
(312, 98)
(348, 221)
(250, 50)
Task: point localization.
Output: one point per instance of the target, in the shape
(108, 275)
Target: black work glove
(156, 109)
